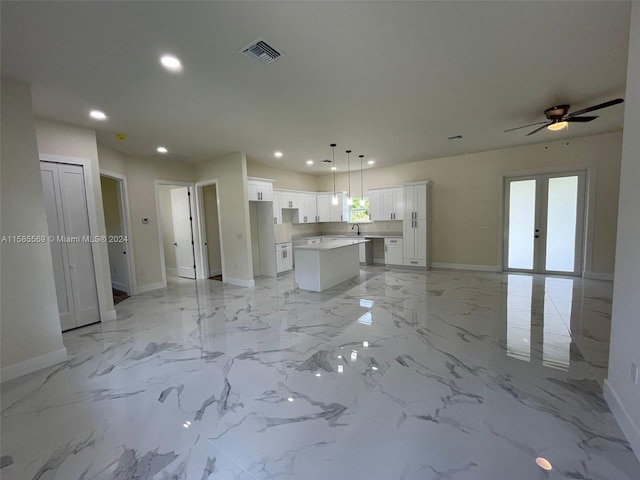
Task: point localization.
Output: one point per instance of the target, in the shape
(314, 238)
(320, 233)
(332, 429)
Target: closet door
(71, 249)
(76, 225)
(59, 253)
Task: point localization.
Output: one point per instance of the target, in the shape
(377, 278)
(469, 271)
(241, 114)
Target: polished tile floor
(396, 375)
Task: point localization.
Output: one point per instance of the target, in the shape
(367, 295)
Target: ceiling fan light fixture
(558, 126)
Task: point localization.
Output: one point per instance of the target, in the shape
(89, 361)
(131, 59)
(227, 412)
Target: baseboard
(172, 272)
(239, 282)
(150, 287)
(108, 316)
(629, 428)
(378, 261)
(464, 266)
(32, 364)
(120, 286)
(598, 276)
(217, 271)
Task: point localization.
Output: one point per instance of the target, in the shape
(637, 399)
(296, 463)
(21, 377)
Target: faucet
(358, 228)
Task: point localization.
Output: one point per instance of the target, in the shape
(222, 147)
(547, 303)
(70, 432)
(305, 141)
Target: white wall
(231, 172)
(622, 395)
(466, 195)
(140, 174)
(30, 331)
(114, 227)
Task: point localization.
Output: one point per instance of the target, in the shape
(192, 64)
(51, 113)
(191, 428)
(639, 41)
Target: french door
(544, 223)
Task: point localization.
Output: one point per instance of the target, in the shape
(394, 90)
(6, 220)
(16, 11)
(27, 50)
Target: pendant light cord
(361, 177)
(349, 169)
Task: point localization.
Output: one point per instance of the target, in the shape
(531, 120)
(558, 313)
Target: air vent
(261, 52)
(171, 156)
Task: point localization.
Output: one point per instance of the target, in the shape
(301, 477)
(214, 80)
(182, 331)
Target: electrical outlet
(635, 373)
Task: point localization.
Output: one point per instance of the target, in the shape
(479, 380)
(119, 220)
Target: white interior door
(71, 252)
(181, 213)
(59, 253)
(544, 223)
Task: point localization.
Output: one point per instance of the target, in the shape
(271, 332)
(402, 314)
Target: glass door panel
(562, 210)
(522, 218)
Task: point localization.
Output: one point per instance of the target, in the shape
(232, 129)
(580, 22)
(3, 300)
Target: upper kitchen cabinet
(308, 209)
(327, 211)
(415, 201)
(290, 200)
(386, 203)
(277, 207)
(260, 189)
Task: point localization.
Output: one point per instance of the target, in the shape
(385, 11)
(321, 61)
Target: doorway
(116, 225)
(175, 225)
(544, 223)
(211, 231)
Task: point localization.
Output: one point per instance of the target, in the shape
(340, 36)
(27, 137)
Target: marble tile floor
(398, 374)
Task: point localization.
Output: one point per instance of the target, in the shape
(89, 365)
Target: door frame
(584, 218)
(196, 233)
(202, 261)
(123, 200)
(98, 250)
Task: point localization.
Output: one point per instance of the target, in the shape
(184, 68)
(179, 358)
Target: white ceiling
(390, 80)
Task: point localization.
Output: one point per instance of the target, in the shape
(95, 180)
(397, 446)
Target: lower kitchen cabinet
(415, 243)
(284, 257)
(393, 251)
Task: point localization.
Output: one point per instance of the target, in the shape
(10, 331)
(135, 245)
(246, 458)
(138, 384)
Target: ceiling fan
(559, 116)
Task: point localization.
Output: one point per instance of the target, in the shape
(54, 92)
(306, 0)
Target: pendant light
(361, 182)
(334, 199)
(349, 198)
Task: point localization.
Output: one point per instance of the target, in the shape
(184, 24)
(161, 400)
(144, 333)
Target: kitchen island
(324, 265)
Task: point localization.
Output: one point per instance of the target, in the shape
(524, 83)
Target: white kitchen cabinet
(308, 210)
(393, 251)
(327, 211)
(337, 212)
(323, 202)
(284, 257)
(386, 203)
(415, 201)
(290, 200)
(415, 225)
(259, 190)
(277, 207)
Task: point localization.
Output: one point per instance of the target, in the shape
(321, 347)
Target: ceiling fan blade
(580, 119)
(525, 126)
(595, 107)
(539, 128)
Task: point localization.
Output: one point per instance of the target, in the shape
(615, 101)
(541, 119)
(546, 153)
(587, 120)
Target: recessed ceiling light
(290, 399)
(334, 168)
(278, 154)
(97, 115)
(171, 63)
(371, 162)
(309, 162)
(162, 150)
(544, 464)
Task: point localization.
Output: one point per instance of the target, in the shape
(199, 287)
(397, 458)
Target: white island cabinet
(323, 265)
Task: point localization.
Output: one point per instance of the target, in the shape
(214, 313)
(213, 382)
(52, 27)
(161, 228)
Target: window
(359, 211)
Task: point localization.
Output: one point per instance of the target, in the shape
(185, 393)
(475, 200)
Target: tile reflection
(519, 294)
(526, 330)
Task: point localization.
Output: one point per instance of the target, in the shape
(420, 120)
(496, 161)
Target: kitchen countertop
(351, 235)
(332, 245)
